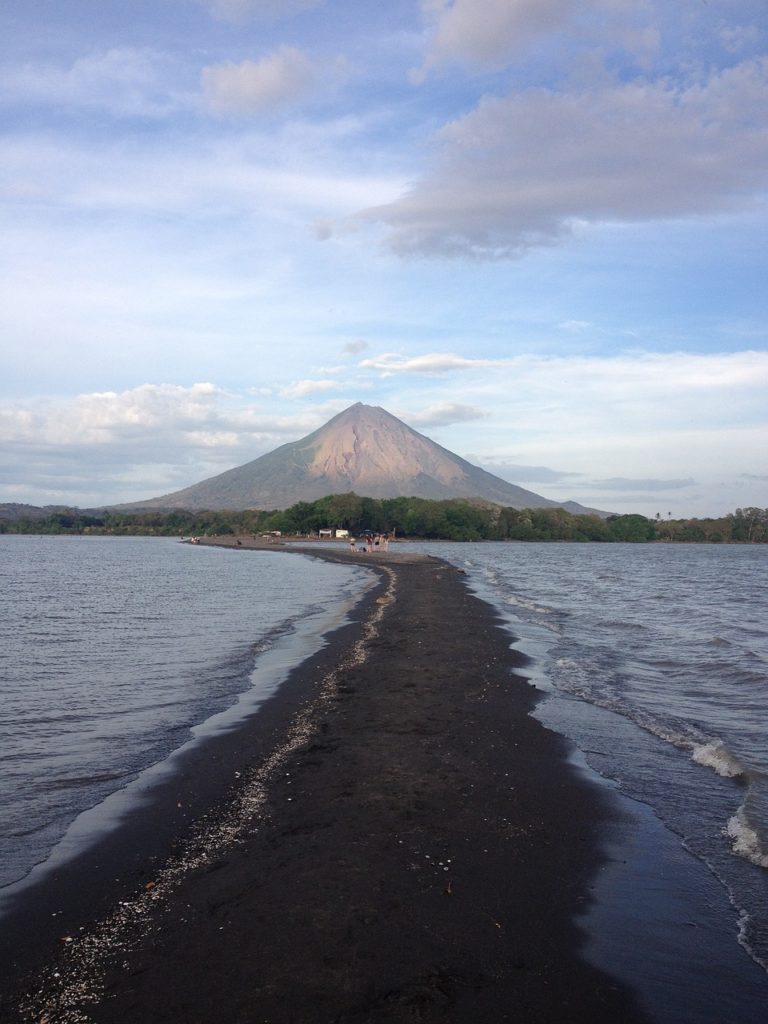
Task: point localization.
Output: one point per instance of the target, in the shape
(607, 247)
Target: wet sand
(392, 838)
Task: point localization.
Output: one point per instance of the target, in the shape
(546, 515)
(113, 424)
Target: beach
(391, 837)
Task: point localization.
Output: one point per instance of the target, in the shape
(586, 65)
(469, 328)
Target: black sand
(403, 843)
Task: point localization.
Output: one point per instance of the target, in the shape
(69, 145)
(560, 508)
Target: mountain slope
(363, 449)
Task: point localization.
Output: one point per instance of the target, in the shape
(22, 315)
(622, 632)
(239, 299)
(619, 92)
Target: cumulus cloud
(239, 11)
(527, 169)
(444, 413)
(110, 446)
(109, 417)
(151, 416)
(436, 362)
(490, 31)
(284, 77)
(633, 424)
(127, 81)
(489, 34)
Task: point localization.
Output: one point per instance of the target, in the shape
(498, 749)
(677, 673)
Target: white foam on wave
(743, 938)
(673, 733)
(745, 841)
(531, 606)
(705, 751)
(717, 756)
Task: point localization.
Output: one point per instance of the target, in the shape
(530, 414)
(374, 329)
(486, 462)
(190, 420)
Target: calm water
(655, 658)
(113, 649)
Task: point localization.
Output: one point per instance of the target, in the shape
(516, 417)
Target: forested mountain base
(415, 518)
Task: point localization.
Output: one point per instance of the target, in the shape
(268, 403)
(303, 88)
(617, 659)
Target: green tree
(633, 528)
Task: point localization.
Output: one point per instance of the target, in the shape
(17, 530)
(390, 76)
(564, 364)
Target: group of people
(370, 542)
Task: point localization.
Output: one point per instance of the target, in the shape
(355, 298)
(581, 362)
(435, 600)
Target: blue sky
(533, 229)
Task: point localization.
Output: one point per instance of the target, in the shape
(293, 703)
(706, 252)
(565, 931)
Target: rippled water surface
(654, 659)
(112, 649)
(670, 644)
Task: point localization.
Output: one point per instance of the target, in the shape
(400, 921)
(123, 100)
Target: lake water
(114, 650)
(654, 660)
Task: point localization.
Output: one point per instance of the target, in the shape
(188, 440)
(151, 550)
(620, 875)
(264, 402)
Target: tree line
(415, 518)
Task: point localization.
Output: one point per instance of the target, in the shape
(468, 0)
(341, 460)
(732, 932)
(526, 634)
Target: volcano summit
(363, 449)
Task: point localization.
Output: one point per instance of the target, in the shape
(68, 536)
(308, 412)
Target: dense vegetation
(406, 517)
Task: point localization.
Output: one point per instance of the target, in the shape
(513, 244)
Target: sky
(534, 230)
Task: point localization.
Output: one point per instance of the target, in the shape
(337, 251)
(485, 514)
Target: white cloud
(302, 388)
(526, 170)
(490, 31)
(444, 413)
(127, 81)
(212, 438)
(252, 173)
(159, 415)
(109, 417)
(637, 392)
(622, 483)
(652, 420)
(283, 78)
(489, 34)
(107, 447)
(390, 363)
(626, 427)
(636, 418)
(239, 11)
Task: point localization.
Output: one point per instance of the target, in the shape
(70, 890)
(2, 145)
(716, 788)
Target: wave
(745, 841)
(630, 627)
(707, 751)
(717, 756)
(744, 938)
(530, 606)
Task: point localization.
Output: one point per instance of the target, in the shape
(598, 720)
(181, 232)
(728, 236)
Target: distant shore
(392, 837)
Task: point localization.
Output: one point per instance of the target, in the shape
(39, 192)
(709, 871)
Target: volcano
(363, 449)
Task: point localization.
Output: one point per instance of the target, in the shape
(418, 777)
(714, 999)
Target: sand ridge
(410, 845)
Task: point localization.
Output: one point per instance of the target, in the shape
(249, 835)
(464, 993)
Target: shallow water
(670, 644)
(114, 650)
(654, 660)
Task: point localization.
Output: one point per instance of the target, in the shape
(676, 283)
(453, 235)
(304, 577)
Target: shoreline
(416, 845)
(84, 888)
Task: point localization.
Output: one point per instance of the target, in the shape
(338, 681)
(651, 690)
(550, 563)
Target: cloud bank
(389, 363)
(598, 417)
(444, 413)
(528, 169)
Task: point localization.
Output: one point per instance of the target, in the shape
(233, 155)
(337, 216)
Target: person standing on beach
(352, 543)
